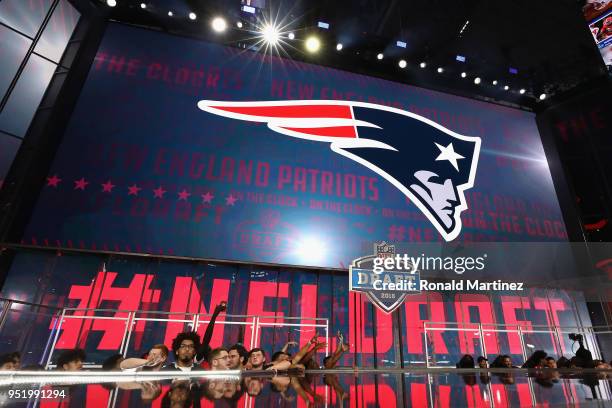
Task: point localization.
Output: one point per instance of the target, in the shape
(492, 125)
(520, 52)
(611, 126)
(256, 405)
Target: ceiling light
(542, 96)
(170, 14)
(494, 82)
(522, 91)
(239, 24)
(313, 44)
(379, 56)
(440, 70)
(219, 24)
(111, 3)
(143, 6)
(270, 34)
(192, 16)
(339, 46)
(402, 64)
(291, 36)
(422, 65)
(506, 88)
(463, 75)
(477, 80)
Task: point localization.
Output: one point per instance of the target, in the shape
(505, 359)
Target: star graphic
(107, 187)
(184, 195)
(53, 181)
(80, 184)
(230, 200)
(158, 192)
(448, 153)
(133, 190)
(207, 198)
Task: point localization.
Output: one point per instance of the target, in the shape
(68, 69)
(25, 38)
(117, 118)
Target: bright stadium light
(111, 3)
(506, 88)
(440, 70)
(422, 65)
(170, 14)
(339, 47)
(494, 82)
(463, 75)
(542, 96)
(380, 56)
(311, 248)
(270, 34)
(192, 16)
(522, 91)
(402, 63)
(143, 6)
(291, 36)
(313, 44)
(477, 80)
(219, 24)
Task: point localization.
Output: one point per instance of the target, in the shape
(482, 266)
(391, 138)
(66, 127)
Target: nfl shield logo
(384, 250)
(386, 289)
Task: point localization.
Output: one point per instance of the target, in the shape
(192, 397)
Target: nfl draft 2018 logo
(387, 289)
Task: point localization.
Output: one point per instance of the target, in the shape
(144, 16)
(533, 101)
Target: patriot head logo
(428, 163)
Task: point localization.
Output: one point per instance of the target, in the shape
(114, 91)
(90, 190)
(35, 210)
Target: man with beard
(237, 357)
(184, 347)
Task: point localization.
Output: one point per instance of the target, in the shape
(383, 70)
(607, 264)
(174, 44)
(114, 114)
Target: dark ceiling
(547, 41)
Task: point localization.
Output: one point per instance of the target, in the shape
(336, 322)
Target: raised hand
(221, 307)
(153, 361)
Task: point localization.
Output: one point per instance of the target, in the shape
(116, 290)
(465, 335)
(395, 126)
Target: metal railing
(253, 326)
(521, 330)
(193, 320)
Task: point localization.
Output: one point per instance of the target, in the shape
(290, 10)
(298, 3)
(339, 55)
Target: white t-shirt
(183, 368)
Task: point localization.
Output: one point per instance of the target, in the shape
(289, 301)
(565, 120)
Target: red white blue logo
(431, 165)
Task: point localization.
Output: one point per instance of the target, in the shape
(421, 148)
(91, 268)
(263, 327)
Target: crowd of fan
(543, 368)
(539, 359)
(193, 353)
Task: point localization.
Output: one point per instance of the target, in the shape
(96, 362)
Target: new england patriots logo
(428, 163)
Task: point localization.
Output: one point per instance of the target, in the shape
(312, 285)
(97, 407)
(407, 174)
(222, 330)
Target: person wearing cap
(482, 362)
